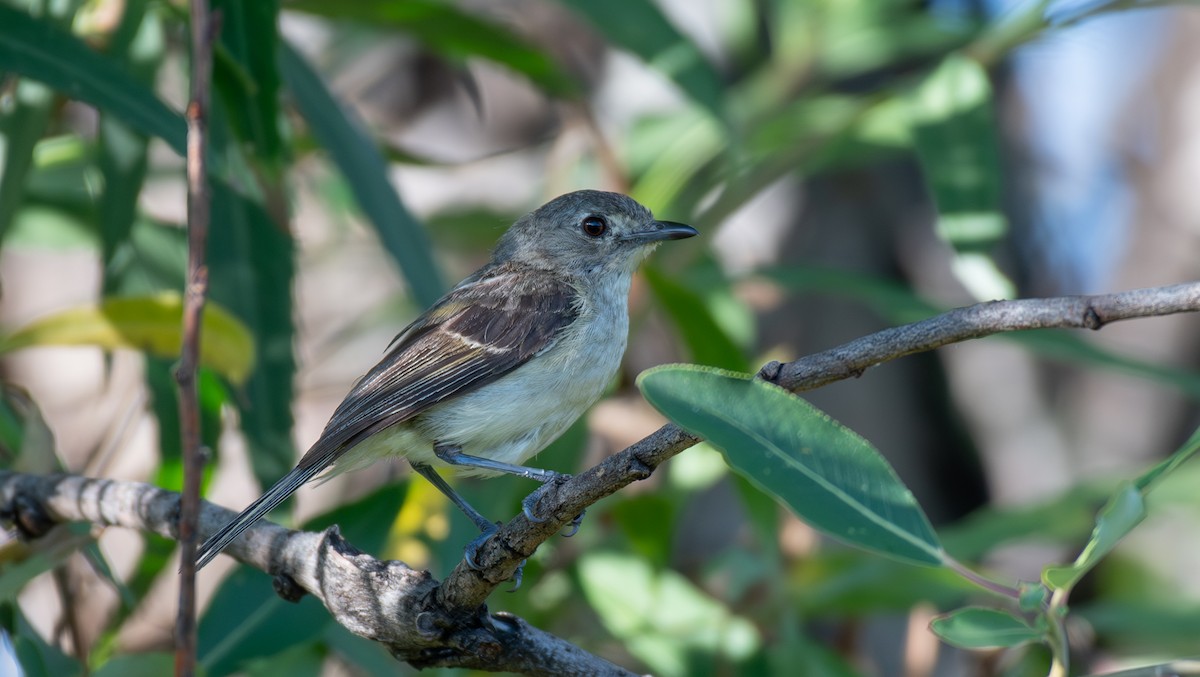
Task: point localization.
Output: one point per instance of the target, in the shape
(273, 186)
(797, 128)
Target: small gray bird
(499, 367)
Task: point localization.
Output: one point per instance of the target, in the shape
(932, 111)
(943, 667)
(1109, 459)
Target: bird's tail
(278, 493)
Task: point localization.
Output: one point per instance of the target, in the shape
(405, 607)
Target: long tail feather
(277, 494)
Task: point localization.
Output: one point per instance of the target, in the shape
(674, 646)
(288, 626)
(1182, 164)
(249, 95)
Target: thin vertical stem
(203, 33)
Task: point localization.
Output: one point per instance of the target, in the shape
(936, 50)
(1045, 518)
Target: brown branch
(203, 33)
(446, 624)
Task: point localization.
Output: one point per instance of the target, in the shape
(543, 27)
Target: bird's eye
(594, 226)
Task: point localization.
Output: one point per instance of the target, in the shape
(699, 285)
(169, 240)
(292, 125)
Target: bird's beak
(663, 230)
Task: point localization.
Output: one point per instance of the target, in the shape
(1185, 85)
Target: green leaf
(825, 473)
(25, 438)
(25, 122)
(152, 324)
(640, 27)
(47, 553)
(1123, 512)
(844, 581)
(246, 74)
(121, 151)
(38, 50)
(138, 665)
(955, 136)
(980, 628)
(1169, 465)
(246, 620)
(706, 341)
(164, 399)
(661, 617)
(366, 172)
(449, 31)
(36, 657)
(20, 129)
(251, 273)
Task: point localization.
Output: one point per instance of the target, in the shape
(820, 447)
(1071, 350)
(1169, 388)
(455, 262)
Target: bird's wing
(476, 334)
(483, 329)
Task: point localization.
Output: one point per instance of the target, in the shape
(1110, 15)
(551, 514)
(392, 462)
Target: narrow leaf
(450, 31)
(151, 324)
(706, 341)
(1123, 512)
(640, 27)
(980, 628)
(252, 269)
(366, 172)
(38, 50)
(249, 39)
(956, 139)
(825, 473)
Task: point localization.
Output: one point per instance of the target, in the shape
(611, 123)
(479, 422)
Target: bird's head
(588, 232)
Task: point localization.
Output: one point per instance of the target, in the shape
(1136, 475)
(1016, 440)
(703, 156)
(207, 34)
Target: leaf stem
(978, 579)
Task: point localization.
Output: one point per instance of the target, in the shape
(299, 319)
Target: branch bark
(431, 623)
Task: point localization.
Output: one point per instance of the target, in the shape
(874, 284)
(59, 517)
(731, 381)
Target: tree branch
(428, 623)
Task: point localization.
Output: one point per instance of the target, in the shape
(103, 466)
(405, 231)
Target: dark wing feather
(476, 334)
(480, 331)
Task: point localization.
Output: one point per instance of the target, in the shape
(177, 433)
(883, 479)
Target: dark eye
(595, 226)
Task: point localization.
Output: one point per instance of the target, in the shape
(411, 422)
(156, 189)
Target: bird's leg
(436, 480)
(454, 456)
(486, 528)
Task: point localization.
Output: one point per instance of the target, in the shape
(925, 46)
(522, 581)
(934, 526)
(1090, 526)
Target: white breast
(516, 416)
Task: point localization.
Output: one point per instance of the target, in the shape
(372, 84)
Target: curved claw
(528, 504)
(574, 525)
(518, 576)
(472, 548)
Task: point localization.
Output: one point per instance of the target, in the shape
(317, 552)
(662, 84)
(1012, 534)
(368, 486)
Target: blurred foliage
(803, 89)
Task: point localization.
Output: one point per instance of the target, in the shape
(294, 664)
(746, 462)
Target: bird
(500, 366)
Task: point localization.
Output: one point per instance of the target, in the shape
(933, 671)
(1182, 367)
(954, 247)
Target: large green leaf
(38, 50)
(366, 172)
(450, 31)
(825, 473)
(640, 27)
(152, 324)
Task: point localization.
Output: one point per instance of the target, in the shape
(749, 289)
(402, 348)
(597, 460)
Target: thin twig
(203, 33)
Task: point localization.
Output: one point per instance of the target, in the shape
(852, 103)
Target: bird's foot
(471, 554)
(529, 505)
